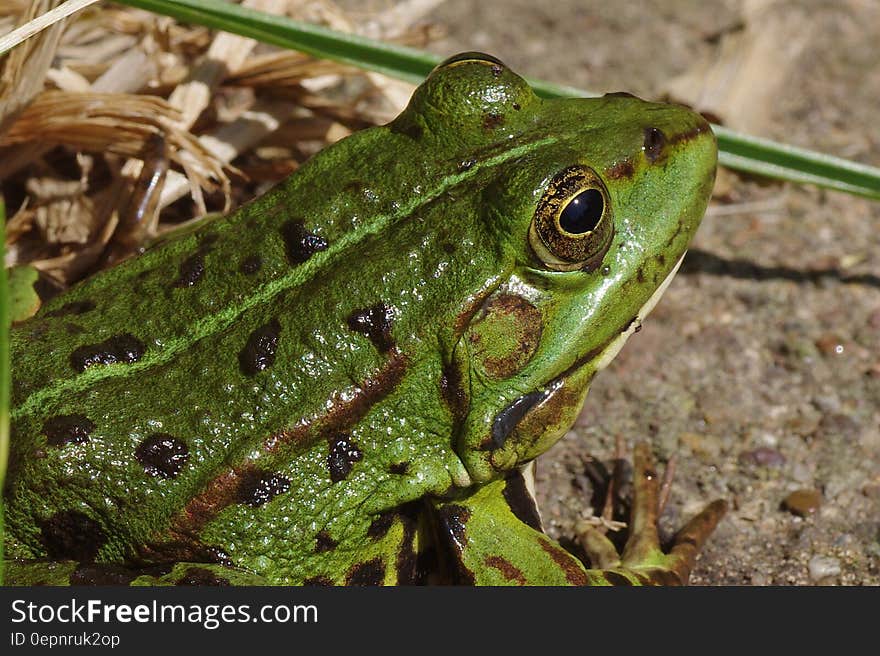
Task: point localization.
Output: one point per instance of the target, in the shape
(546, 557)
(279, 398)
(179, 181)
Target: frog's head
(590, 218)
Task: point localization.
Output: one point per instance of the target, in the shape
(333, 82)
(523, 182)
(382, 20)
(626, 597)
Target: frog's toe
(643, 560)
(599, 549)
(690, 539)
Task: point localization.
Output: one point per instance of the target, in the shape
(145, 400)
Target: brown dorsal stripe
(221, 491)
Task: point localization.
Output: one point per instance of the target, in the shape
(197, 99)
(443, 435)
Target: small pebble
(763, 456)
(822, 567)
(801, 473)
(758, 578)
(872, 491)
(803, 502)
(830, 344)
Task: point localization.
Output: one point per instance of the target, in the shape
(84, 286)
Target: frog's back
(160, 405)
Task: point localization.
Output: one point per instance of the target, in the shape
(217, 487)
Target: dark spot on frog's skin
(324, 543)
(427, 565)
(516, 106)
(380, 526)
(616, 579)
(566, 562)
(453, 392)
(39, 330)
(201, 576)
(520, 501)
(655, 142)
(87, 574)
(375, 324)
(660, 259)
(301, 244)
(259, 350)
(409, 567)
(72, 535)
(690, 134)
(452, 520)
(507, 420)
(47, 287)
(251, 264)
(493, 121)
(354, 187)
(467, 164)
(318, 581)
(640, 275)
(507, 569)
(412, 130)
(74, 307)
(372, 572)
(398, 468)
(109, 574)
(622, 170)
(679, 227)
(497, 70)
(162, 455)
(125, 348)
(72, 328)
(258, 487)
(191, 271)
(218, 555)
(207, 241)
(342, 456)
(68, 429)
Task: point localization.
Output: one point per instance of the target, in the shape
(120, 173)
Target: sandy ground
(760, 368)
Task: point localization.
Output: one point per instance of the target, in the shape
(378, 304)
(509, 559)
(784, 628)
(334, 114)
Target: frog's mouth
(610, 351)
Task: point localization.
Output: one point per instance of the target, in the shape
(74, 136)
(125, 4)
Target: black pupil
(582, 212)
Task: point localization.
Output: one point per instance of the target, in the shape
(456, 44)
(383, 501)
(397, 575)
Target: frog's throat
(613, 348)
(483, 464)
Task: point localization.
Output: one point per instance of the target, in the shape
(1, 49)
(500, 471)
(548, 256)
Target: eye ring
(572, 227)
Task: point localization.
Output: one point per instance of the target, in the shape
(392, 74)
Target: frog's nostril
(654, 143)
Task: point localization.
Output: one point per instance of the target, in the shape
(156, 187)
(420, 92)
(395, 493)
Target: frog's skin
(341, 382)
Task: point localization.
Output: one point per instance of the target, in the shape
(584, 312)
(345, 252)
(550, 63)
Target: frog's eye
(572, 227)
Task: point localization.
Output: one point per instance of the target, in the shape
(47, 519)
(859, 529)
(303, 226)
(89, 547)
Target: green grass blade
(774, 160)
(737, 151)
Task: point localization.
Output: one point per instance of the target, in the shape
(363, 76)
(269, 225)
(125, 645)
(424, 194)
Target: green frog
(342, 382)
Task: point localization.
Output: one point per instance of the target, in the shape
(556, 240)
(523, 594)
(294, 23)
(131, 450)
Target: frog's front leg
(493, 537)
